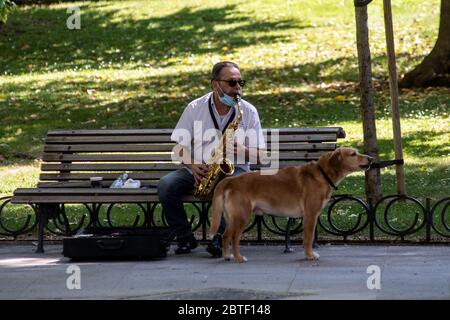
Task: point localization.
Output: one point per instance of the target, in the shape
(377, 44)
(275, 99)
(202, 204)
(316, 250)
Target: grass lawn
(136, 64)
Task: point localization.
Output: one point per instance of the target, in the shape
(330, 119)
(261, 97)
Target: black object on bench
(72, 157)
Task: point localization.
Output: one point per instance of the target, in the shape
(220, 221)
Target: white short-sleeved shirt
(196, 131)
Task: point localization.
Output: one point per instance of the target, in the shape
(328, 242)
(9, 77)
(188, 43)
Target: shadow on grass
(105, 40)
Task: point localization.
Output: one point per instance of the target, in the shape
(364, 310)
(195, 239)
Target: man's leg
(215, 246)
(171, 188)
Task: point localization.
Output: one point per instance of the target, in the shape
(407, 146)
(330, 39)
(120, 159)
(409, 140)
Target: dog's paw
(229, 257)
(241, 259)
(313, 256)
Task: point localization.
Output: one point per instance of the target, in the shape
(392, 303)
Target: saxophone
(218, 165)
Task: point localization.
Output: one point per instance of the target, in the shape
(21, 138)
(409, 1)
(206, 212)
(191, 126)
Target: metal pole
(394, 95)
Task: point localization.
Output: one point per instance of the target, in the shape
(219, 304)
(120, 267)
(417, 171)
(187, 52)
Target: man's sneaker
(186, 244)
(215, 246)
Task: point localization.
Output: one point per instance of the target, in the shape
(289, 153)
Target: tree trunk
(393, 86)
(434, 70)
(372, 177)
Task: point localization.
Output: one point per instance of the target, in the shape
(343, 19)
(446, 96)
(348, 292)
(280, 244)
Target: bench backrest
(71, 157)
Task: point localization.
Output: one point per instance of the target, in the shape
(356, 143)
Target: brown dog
(297, 192)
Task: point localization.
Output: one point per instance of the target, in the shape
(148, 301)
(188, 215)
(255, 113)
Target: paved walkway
(407, 272)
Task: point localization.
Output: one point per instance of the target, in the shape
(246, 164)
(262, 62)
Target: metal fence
(346, 218)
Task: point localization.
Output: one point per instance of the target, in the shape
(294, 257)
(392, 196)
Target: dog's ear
(336, 158)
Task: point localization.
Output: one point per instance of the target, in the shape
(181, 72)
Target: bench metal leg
(315, 245)
(287, 237)
(43, 221)
(44, 212)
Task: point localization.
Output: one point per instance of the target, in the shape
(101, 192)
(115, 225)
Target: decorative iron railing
(346, 218)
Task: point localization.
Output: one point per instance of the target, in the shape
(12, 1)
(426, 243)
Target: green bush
(6, 7)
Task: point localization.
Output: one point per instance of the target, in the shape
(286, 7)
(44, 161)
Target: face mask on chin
(226, 99)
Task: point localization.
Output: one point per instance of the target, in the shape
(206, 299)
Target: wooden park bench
(72, 157)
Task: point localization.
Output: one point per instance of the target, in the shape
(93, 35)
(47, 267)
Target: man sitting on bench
(213, 111)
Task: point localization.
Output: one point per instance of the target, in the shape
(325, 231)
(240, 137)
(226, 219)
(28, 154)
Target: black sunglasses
(233, 83)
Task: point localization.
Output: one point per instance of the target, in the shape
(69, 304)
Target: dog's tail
(218, 203)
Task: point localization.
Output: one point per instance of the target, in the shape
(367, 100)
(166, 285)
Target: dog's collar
(327, 178)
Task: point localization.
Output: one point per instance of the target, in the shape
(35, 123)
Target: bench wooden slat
(159, 139)
(109, 148)
(152, 175)
(306, 138)
(61, 157)
(298, 155)
(87, 195)
(148, 175)
(165, 131)
(89, 191)
(19, 199)
(83, 198)
(168, 147)
(54, 195)
(304, 146)
(110, 167)
(281, 164)
(87, 184)
(340, 133)
(119, 139)
(108, 132)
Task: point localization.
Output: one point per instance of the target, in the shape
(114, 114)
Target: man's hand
(199, 171)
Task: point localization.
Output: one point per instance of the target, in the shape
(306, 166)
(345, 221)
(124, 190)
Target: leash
(361, 3)
(386, 163)
(327, 178)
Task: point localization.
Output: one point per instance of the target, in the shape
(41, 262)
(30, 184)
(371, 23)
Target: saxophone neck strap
(211, 112)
